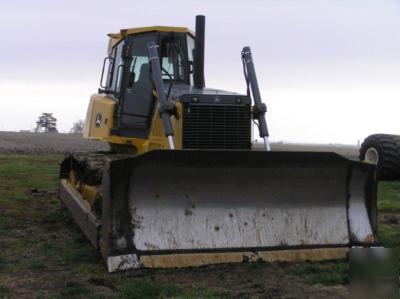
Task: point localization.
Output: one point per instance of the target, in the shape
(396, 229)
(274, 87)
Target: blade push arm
(259, 107)
(166, 107)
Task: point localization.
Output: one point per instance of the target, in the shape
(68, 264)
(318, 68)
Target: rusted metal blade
(165, 202)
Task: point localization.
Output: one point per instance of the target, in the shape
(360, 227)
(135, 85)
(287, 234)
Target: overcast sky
(329, 71)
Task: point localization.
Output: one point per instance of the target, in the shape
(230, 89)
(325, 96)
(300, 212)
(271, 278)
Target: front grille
(216, 126)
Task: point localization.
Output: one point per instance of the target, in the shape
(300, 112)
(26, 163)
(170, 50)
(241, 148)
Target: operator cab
(128, 77)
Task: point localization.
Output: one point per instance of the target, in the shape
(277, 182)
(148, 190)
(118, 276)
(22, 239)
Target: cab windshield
(173, 57)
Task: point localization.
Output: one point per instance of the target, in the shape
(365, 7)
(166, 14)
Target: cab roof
(130, 31)
(115, 38)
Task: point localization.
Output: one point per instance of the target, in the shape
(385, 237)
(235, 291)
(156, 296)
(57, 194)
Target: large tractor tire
(384, 151)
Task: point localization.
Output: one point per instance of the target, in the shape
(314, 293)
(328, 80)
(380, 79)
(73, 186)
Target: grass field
(43, 253)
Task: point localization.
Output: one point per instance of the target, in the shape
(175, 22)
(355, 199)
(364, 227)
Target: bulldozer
(183, 185)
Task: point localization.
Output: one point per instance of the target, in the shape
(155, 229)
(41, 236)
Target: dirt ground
(47, 143)
(44, 255)
(41, 143)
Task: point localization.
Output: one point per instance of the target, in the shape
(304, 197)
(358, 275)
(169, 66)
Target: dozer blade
(173, 208)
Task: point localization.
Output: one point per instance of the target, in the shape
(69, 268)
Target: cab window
(173, 54)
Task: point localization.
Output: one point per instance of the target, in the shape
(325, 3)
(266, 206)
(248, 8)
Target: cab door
(136, 100)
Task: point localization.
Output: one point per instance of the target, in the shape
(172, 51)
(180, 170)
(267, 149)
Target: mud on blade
(200, 203)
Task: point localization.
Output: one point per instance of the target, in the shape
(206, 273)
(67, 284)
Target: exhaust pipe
(198, 77)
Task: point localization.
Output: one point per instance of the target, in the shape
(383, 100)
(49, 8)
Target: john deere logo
(98, 120)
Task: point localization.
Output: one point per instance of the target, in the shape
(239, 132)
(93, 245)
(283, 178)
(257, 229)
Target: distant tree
(48, 122)
(78, 127)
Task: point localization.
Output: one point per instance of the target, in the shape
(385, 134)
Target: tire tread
(388, 148)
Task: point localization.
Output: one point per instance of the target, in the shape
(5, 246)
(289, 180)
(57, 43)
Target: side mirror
(107, 64)
(107, 61)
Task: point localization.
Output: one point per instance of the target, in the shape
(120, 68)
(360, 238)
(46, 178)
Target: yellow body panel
(157, 139)
(102, 108)
(99, 117)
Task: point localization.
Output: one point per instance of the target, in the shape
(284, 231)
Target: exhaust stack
(198, 77)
